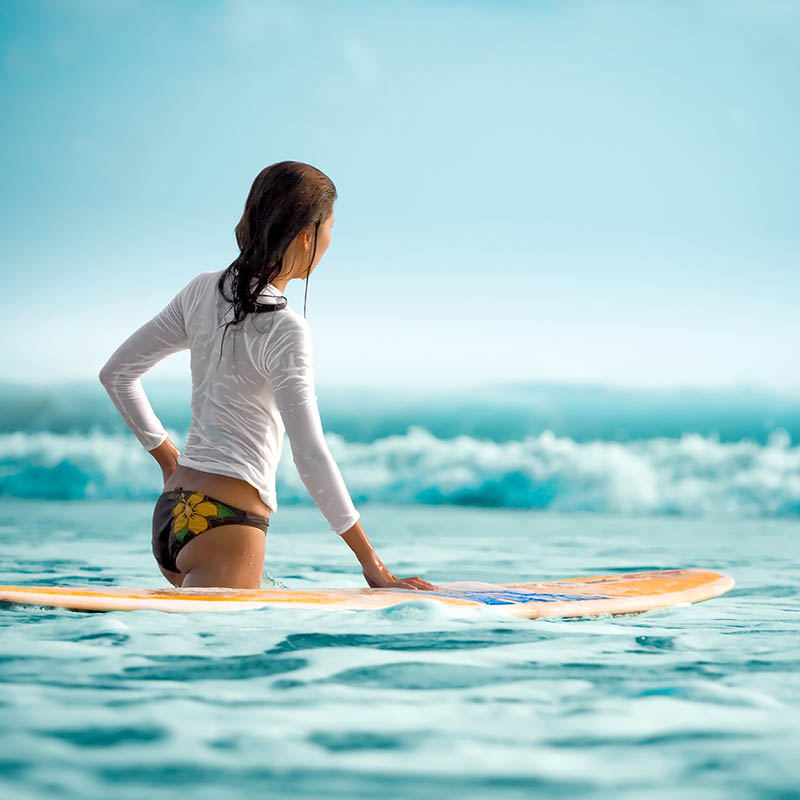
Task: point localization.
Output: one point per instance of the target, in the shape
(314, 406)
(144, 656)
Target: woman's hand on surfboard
(389, 581)
(375, 572)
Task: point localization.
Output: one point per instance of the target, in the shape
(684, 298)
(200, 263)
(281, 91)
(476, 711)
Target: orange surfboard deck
(627, 593)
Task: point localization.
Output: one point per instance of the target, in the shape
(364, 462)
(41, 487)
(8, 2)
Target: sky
(575, 192)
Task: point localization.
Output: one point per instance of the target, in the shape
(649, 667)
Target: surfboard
(627, 593)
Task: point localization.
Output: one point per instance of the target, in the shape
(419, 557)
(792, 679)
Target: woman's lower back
(235, 491)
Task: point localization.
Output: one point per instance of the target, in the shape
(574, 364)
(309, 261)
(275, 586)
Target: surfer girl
(248, 388)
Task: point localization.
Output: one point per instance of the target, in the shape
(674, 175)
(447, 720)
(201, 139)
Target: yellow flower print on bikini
(192, 515)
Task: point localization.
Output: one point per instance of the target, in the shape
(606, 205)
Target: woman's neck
(280, 284)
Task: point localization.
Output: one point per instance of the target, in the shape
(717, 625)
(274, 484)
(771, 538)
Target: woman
(210, 522)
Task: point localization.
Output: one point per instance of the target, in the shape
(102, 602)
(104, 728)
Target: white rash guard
(262, 386)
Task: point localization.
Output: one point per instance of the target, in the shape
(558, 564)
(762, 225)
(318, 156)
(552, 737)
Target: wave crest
(693, 475)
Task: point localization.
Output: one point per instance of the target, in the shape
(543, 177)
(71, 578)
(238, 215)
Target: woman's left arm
(121, 376)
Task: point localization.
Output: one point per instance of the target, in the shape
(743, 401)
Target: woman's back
(236, 426)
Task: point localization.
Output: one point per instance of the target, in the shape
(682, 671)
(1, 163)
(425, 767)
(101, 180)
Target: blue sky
(600, 192)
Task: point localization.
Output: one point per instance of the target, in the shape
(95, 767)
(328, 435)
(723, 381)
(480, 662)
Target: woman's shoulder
(290, 324)
(287, 339)
(199, 282)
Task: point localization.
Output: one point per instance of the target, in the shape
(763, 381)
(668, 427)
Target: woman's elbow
(109, 374)
(106, 374)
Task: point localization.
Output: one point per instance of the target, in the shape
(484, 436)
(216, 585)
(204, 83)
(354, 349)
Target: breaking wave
(690, 475)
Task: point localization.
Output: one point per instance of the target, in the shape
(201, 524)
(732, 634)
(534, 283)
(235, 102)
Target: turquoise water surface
(415, 701)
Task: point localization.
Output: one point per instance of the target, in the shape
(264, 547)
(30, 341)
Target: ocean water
(417, 701)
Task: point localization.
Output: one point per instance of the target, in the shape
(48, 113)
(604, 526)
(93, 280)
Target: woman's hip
(181, 514)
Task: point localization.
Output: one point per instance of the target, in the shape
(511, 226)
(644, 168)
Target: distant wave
(691, 475)
(503, 414)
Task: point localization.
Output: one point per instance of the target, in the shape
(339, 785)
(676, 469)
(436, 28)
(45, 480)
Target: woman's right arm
(121, 375)
(374, 570)
(289, 362)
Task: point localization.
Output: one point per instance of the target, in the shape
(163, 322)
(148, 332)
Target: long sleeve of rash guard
(289, 362)
(121, 374)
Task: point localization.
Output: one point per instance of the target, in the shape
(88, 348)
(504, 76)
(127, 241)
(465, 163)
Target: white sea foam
(693, 475)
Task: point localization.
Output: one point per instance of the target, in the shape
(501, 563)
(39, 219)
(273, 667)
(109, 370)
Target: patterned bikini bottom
(181, 514)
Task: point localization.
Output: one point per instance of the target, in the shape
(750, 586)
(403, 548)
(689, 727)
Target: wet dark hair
(285, 198)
